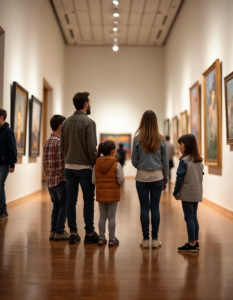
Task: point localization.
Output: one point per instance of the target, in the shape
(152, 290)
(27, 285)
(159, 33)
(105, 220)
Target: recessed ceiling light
(115, 2)
(115, 29)
(116, 14)
(115, 48)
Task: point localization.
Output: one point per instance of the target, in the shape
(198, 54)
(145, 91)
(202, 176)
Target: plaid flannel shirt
(53, 161)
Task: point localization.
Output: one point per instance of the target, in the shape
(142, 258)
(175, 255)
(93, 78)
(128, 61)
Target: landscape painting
(123, 138)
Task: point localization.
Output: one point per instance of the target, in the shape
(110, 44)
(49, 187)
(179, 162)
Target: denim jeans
(4, 171)
(190, 216)
(107, 211)
(73, 178)
(58, 197)
(149, 194)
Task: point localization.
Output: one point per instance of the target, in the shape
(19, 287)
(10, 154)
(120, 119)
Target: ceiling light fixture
(116, 14)
(115, 2)
(115, 29)
(115, 48)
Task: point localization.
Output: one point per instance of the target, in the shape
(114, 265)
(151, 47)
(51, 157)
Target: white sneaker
(145, 244)
(156, 243)
(60, 237)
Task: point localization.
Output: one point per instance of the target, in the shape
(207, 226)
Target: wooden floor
(32, 267)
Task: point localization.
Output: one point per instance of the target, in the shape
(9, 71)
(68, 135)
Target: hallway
(32, 267)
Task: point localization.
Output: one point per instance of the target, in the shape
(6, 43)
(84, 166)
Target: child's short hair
(3, 113)
(191, 148)
(56, 121)
(106, 148)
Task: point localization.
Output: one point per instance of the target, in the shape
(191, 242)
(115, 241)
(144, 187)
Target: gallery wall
(201, 34)
(34, 48)
(122, 85)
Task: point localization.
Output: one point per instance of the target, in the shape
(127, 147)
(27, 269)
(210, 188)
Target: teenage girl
(188, 188)
(107, 176)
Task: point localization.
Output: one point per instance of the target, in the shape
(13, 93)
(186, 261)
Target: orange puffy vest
(107, 188)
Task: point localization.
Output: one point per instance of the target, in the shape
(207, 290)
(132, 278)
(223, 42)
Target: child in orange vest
(107, 176)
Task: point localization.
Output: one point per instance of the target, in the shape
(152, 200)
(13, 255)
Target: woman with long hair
(150, 157)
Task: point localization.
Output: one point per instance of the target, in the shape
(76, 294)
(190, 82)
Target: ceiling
(141, 22)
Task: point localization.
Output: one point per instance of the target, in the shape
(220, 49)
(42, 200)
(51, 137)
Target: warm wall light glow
(115, 48)
(116, 15)
(115, 2)
(115, 29)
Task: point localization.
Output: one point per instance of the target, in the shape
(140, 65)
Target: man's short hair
(167, 137)
(80, 99)
(56, 121)
(3, 113)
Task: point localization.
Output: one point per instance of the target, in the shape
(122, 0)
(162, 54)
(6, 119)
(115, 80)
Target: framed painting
(195, 113)
(212, 115)
(184, 123)
(166, 127)
(124, 138)
(175, 130)
(228, 80)
(19, 104)
(34, 126)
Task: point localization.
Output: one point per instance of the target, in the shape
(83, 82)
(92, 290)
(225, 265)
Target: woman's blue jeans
(149, 194)
(190, 216)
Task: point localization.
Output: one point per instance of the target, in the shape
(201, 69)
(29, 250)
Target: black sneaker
(91, 239)
(3, 215)
(74, 238)
(188, 248)
(197, 245)
(102, 242)
(114, 242)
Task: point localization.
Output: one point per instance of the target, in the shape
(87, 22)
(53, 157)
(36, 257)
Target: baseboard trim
(218, 207)
(130, 177)
(24, 198)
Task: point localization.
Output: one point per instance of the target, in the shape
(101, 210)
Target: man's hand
(11, 170)
(164, 187)
(176, 197)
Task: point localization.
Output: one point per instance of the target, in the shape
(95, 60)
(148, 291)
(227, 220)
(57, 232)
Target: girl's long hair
(106, 148)
(191, 148)
(148, 132)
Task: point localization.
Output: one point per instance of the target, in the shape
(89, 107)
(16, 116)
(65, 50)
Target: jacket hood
(104, 163)
(4, 126)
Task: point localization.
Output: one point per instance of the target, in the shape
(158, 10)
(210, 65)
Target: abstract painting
(123, 138)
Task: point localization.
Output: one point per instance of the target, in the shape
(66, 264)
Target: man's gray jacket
(78, 139)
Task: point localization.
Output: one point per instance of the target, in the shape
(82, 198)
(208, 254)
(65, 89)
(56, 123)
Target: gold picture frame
(228, 81)
(184, 122)
(195, 113)
(175, 133)
(212, 104)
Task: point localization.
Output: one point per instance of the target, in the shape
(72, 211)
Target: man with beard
(78, 145)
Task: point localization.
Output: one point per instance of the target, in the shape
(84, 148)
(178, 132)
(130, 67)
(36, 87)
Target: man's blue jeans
(73, 178)
(149, 194)
(190, 216)
(4, 171)
(58, 197)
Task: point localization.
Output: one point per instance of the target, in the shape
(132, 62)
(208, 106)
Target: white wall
(201, 34)
(122, 86)
(34, 49)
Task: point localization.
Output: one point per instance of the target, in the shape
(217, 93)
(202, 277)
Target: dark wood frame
(217, 66)
(164, 126)
(32, 101)
(177, 128)
(16, 88)
(196, 84)
(130, 136)
(226, 79)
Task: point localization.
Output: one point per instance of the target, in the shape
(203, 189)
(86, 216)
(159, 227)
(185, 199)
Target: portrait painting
(228, 80)
(19, 102)
(184, 123)
(166, 128)
(123, 138)
(212, 115)
(195, 113)
(175, 130)
(35, 127)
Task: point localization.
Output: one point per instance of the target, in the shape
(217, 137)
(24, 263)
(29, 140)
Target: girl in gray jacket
(188, 188)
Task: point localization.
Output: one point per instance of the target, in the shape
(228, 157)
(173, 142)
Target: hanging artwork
(229, 107)
(212, 115)
(19, 102)
(35, 127)
(184, 123)
(166, 128)
(175, 130)
(123, 138)
(195, 113)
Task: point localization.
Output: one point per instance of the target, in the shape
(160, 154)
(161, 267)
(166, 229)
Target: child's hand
(176, 197)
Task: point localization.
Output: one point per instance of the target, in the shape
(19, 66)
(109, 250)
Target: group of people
(70, 158)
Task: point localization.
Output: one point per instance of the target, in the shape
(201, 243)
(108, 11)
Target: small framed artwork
(124, 138)
(184, 123)
(34, 126)
(19, 104)
(195, 113)
(166, 127)
(175, 130)
(228, 80)
(212, 115)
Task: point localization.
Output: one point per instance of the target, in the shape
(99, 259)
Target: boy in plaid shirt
(54, 168)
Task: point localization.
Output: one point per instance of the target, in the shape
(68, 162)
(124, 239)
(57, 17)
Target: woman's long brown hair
(191, 148)
(148, 132)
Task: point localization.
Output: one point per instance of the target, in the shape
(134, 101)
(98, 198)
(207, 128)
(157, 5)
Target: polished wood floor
(32, 267)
